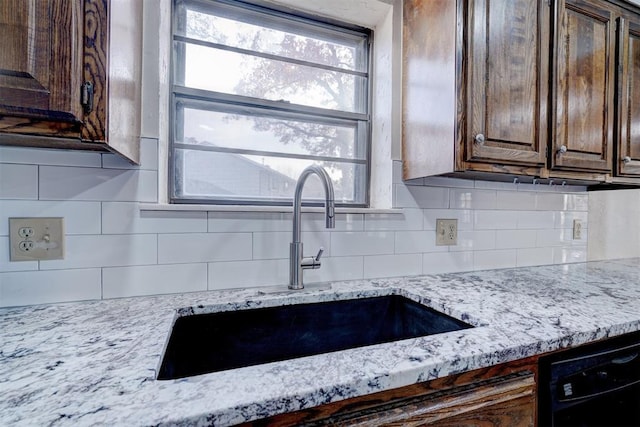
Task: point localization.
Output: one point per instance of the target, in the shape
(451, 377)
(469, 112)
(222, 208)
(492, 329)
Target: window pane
(263, 133)
(258, 95)
(203, 174)
(233, 73)
(266, 35)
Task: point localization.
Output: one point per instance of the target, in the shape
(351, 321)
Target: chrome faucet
(297, 261)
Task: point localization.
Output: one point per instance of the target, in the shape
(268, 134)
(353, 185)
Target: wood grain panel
(629, 81)
(96, 43)
(41, 61)
(508, 78)
(508, 388)
(584, 86)
(429, 87)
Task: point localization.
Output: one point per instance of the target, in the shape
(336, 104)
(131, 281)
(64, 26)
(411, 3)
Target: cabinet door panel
(584, 85)
(508, 72)
(40, 66)
(629, 116)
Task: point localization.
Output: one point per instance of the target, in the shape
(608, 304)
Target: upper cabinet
(520, 88)
(628, 156)
(507, 81)
(61, 85)
(584, 86)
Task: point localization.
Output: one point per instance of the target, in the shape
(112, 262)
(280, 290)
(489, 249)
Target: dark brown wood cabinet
(584, 86)
(627, 159)
(475, 86)
(60, 83)
(507, 74)
(498, 89)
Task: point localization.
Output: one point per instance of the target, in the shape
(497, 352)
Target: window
(258, 95)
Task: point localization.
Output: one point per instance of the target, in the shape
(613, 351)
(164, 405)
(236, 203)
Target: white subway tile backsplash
(536, 220)
(392, 265)
(415, 196)
(276, 245)
(127, 218)
(408, 219)
(194, 247)
(336, 268)
(115, 250)
(120, 282)
(565, 219)
(473, 199)
(45, 287)
(115, 185)
(243, 274)
(515, 200)
(534, 256)
(554, 237)
(485, 260)
(551, 201)
(79, 217)
(409, 242)
(148, 157)
(513, 239)
(569, 255)
(476, 240)
(362, 243)
(494, 220)
(577, 202)
(6, 265)
(18, 181)
(313, 221)
(39, 156)
(249, 221)
(446, 262)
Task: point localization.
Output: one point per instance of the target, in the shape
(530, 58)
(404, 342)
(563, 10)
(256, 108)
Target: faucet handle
(312, 262)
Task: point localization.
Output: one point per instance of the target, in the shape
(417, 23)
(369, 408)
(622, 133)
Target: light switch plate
(34, 239)
(446, 232)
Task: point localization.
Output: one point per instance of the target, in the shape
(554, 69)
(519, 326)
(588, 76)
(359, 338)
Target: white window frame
(362, 120)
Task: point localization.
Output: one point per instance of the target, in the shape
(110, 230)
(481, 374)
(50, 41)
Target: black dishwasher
(592, 385)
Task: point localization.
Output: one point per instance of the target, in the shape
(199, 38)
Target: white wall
(615, 224)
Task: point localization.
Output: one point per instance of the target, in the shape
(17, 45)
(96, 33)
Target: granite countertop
(95, 363)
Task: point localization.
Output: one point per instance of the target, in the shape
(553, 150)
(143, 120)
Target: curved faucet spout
(297, 262)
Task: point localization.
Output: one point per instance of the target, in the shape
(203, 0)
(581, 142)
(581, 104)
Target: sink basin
(215, 342)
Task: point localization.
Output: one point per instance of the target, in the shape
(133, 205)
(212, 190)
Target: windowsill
(274, 209)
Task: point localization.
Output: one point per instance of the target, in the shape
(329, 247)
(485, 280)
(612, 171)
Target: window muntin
(258, 95)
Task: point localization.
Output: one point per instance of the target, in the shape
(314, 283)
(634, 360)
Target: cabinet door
(628, 160)
(508, 60)
(40, 63)
(584, 86)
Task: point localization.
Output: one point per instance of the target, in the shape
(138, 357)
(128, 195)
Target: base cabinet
(503, 395)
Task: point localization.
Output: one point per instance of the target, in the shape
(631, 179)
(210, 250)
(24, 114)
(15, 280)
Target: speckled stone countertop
(95, 363)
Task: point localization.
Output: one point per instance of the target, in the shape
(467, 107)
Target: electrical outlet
(33, 239)
(446, 232)
(577, 229)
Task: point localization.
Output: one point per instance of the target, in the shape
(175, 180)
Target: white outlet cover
(43, 241)
(446, 232)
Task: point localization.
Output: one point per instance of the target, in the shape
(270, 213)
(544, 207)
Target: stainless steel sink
(214, 342)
